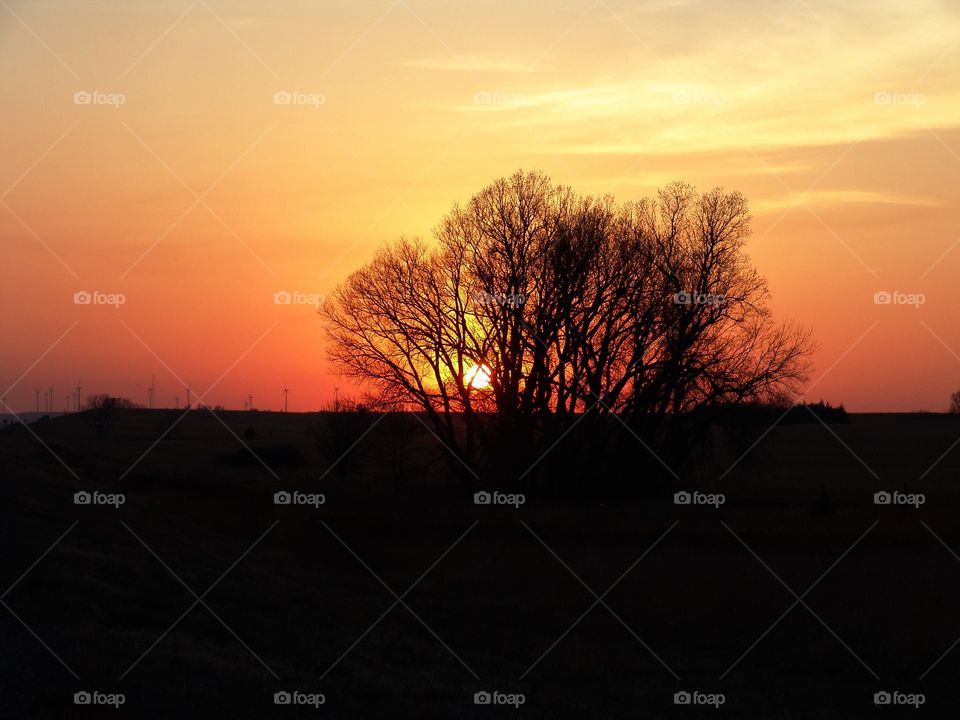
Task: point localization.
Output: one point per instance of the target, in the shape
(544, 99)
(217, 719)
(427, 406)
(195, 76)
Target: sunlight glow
(477, 376)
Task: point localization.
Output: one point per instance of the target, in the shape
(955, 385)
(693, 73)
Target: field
(199, 596)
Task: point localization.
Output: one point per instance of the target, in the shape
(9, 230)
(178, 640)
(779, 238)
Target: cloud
(833, 198)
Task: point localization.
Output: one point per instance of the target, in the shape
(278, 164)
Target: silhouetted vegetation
(102, 410)
(618, 328)
(768, 414)
(343, 423)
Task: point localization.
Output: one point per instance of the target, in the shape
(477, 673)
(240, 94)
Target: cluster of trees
(600, 323)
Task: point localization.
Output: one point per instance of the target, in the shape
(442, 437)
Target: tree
(102, 410)
(955, 402)
(635, 313)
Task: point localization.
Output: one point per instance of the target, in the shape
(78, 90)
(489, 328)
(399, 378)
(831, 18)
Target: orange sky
(184, 186)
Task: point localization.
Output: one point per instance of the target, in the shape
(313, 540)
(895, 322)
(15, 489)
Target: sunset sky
(188, 185)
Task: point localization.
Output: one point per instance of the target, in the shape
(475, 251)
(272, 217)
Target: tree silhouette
(102, 410)
(955, 402)
(638, 312)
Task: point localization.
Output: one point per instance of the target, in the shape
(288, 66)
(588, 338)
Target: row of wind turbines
(72, 400)
(48, 399)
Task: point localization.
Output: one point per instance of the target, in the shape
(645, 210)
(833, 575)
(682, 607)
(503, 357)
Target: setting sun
(477, 376)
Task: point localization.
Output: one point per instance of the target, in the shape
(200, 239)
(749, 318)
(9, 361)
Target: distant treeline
(767, 414)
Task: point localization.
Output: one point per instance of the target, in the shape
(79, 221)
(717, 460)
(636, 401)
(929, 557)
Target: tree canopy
(638, 311)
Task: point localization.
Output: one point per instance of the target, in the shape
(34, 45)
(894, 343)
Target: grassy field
(201, 597)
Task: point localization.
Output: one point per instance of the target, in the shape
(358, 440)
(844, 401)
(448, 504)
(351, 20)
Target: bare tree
(637, 312)
(955, 402)
(102, 410)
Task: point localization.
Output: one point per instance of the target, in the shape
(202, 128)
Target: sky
(180, 163)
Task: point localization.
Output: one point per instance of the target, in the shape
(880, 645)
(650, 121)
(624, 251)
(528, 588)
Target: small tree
(102, 409)
(345, 423)
(955, 402)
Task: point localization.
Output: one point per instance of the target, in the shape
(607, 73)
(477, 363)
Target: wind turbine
(188, 397)
(286, 390)
(250, 397)
(37, 391)
(78, 388)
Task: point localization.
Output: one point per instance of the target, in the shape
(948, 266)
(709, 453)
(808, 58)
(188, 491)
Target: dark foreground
(199, 596)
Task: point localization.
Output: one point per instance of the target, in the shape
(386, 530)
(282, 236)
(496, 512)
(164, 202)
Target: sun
(477, 376)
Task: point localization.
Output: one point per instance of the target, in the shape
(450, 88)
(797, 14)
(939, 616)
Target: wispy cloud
(833, 198)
